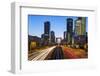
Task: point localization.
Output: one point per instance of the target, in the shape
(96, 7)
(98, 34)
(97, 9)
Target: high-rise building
(70, 25)
(80, 30)
(46, 32)
(80, 26)
(47, 27)
(52, 36)
(42, 37)
(65, 35)
(69, 30)
(83, 25)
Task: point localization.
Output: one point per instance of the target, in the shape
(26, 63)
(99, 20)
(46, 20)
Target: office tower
(46, 32)
(83, 25)
(69, 30)
(52, 36)
(42, 37)
(65, 35)
(80, 30)
(47, 27)
(80, 26)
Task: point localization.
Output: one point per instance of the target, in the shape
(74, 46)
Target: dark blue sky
(57, 24)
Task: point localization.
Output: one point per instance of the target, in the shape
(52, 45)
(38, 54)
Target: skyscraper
(80, 30)
(80, 26)
(42, 37)
(47, 27)
(65, 35)
(46, 32)
(69, 30)
(83, 25)
(52, 36)
(70, 25)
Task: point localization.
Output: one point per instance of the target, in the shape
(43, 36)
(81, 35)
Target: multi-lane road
(40, 55)
(57, 52)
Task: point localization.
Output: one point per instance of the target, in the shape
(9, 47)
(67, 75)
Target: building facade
(80, 30)
(80, 26)
(52, 37)
(46, 36)
(69, 30)
(65, 35)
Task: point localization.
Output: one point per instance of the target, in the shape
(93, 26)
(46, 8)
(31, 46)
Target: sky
(57, 24)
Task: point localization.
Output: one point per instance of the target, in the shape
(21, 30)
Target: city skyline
(57, 24)
(57, 37)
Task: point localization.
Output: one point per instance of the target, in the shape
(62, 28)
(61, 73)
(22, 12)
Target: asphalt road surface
(41, 55)
(57, 53)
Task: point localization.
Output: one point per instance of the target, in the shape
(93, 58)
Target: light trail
(41, 55)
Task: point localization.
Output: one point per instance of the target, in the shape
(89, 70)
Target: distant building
(47, 27)
(34, 38)
(80, 31)
(86, 37)
(80, 26)
(64, 40)
(42, 37)
(69, 30)
(65, 35)
(33, 41)
(81, 39)
(46, 36)
(52, 37)
(83, 25)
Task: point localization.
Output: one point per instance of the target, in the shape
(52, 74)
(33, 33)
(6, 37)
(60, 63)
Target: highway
(41, 55)
(57, 53)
